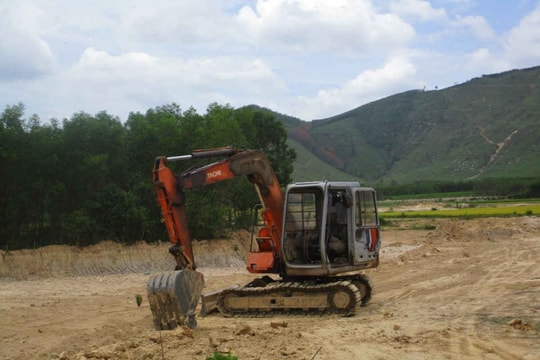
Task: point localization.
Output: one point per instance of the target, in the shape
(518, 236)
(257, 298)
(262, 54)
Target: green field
(470, 212)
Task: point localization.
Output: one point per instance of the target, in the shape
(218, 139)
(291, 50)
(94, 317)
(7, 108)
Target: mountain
(486, 127)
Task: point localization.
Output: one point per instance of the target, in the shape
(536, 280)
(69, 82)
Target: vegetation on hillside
(310, 168)
(486, 127)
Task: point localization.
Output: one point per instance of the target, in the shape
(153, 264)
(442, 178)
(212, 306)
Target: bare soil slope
(470, 289)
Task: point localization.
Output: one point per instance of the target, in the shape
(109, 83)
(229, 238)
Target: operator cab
(329, 227)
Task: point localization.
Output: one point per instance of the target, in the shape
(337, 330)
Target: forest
(89, 178)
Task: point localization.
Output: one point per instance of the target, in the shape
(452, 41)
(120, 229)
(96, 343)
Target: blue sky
(306, 58)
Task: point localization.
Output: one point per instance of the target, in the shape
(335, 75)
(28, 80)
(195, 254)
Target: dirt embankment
(470, 289)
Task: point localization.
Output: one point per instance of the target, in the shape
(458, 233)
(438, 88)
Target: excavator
(315, 237)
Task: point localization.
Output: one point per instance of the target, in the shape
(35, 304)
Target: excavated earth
(466, 289)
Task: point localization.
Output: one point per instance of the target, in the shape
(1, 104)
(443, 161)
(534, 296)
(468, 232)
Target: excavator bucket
(173, 298)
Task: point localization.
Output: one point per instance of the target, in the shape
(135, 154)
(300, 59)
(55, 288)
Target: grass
(474, 212)
(310, 168)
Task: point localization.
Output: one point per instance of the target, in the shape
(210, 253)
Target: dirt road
(470, 289)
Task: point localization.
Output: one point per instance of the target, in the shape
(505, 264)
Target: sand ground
(469, 289)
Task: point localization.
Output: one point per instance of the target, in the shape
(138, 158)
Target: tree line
(510, 187)
(89, 178)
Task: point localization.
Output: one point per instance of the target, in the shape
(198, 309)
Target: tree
(12, 141)
(158, 132)
(266, 133)
(90, 179)
(94, 160)
(30, 179)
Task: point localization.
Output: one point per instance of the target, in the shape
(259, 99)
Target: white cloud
(397, 74)
(522, 43)
(484, 61)
(418, 9)
(480, 56)
(477, 25)
(143, 81)
(23, 52)
(223, 73)
(176, 22)
(101, 66)
(341, 25)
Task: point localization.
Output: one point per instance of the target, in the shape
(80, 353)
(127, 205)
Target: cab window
(366, 208)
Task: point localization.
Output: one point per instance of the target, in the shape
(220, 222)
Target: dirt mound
(108, 258)
(489, 229)
(230, 252)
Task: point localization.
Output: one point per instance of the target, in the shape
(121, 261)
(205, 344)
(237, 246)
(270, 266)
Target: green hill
(308, 167)
(486, 127)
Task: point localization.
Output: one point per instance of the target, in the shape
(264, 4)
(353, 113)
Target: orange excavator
(316, 236)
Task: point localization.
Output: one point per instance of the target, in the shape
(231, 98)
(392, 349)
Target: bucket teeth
(173, 298)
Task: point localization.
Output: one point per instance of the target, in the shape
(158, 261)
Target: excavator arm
(171, 197)
(178, 292)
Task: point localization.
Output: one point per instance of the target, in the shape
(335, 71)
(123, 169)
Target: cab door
(366, 223)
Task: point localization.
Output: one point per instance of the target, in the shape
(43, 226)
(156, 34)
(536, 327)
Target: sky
(310, 59)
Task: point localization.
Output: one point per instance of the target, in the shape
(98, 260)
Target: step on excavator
(316, 237)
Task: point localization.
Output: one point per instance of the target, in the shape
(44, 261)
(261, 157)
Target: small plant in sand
(222, 356)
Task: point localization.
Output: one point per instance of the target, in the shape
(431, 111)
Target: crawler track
(341, 296)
